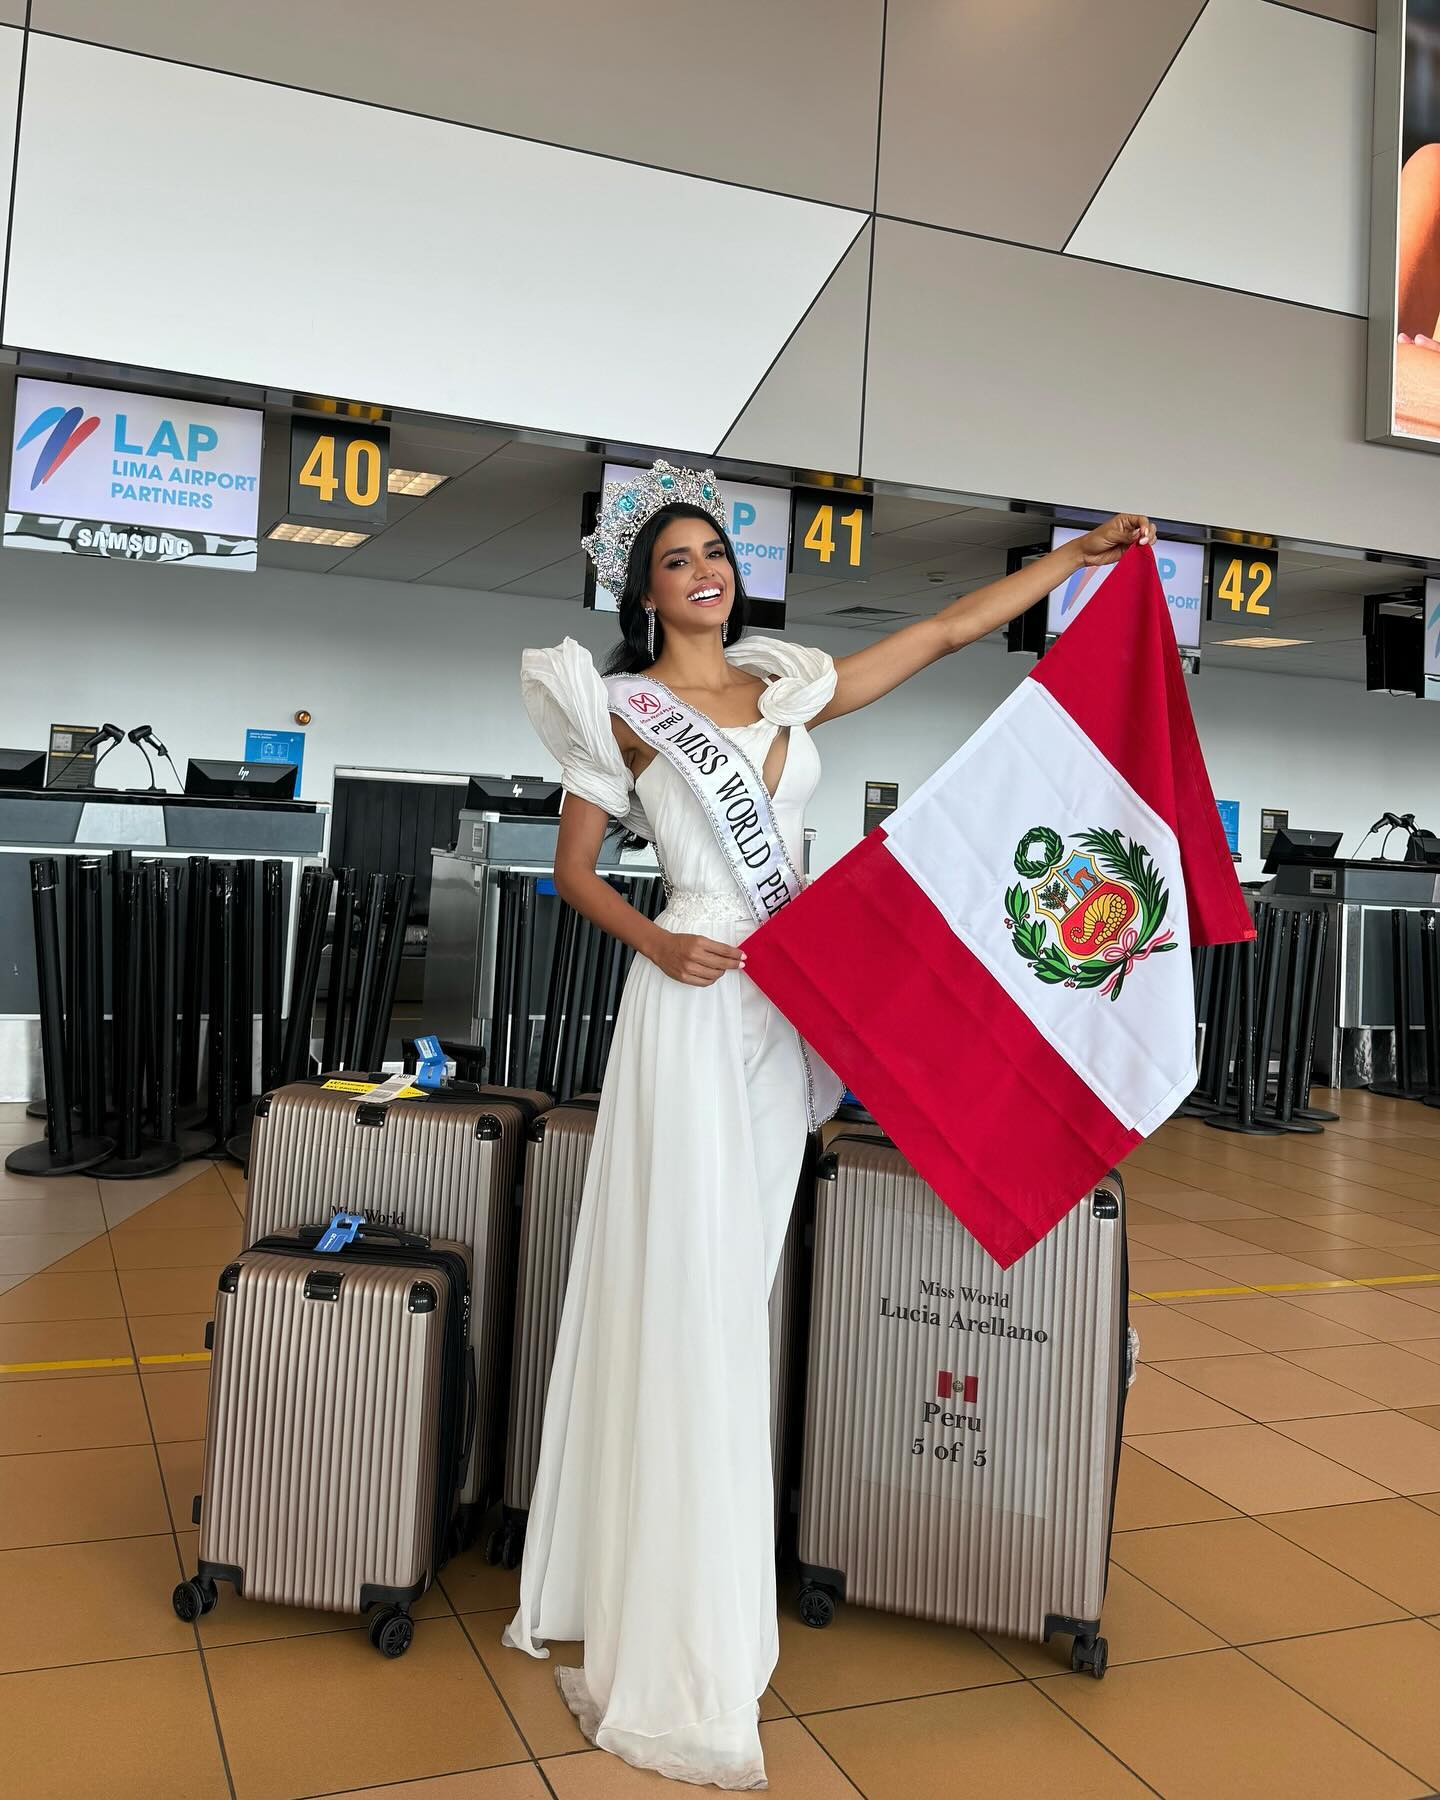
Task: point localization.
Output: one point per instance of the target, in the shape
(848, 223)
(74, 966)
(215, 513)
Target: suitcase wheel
(505, 1544)
(817, 1606)
(1093, 1656)
(391, 1631)
(192, 1599)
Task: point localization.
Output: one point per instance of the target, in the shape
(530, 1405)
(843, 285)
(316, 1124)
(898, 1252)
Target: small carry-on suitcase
(963, 1469)
(340, 1411)
(446, 1165)
(556, 1159)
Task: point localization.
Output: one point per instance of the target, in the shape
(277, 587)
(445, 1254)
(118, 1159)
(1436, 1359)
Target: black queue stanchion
(121, 862)
(562, 959)
(243, 1042)
(1243, 1117)
(63, 1150)
(527, 904)
(162, 942)
(220, 1044)
(366, 972)
(272, 969)
(1404, 1086)
(192, 987)
(502, 994)
(1292, 1041)
(89, 1005)
(1203, 963)
(315, 888)
(392, 949)
(73, 1051)
(1430, 973)
(333, 1050)
(138, 1154)
(1310, 1019)
(1270, 928)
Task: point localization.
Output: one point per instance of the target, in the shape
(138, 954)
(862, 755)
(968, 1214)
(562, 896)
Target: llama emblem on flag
(1106, 901)
(945, 1384)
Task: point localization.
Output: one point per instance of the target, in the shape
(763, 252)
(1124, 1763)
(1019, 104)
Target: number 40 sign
(338, 471)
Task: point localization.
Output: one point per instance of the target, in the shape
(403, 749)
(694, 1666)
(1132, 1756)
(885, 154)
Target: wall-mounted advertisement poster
(1404, 383)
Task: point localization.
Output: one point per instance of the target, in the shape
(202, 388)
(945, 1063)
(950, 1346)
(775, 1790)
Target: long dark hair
(632, 655)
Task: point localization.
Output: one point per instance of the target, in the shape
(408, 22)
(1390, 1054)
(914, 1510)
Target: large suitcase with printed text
(446, 1164)
(964, 1471)
(337, 1432)
(557, 1157)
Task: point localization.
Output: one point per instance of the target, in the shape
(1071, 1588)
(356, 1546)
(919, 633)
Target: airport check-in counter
(60, 822)
(1356, 1019)
(464, 913)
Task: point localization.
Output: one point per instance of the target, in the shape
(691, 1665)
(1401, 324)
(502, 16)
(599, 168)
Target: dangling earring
(725, 632)
(650, 631)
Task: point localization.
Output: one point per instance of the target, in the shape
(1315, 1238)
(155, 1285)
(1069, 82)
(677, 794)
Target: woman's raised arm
(874, 672)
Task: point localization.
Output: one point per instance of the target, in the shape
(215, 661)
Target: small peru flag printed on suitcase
(969, 1385)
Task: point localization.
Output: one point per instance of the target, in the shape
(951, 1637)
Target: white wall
(426, 678)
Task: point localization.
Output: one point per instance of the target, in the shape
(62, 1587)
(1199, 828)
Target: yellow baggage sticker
(336, 1086)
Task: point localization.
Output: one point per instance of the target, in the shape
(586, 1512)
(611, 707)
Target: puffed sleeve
(568, 707)
(802, 680)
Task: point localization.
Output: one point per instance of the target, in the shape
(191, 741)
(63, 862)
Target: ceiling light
(1261, 643)
(414, 481)
(318, 534)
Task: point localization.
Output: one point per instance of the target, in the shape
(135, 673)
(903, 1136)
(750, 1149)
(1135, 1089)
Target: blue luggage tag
(431, 1066)
(343, 1229)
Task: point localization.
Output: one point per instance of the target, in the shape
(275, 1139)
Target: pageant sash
(734, 798)
(726, 783)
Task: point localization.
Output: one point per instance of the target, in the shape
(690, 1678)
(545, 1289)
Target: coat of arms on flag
(973, 1012)
(1107, 917)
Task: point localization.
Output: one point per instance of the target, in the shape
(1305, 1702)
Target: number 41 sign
(830, 534)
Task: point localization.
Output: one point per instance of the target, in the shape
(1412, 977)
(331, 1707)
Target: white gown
(651, 1528)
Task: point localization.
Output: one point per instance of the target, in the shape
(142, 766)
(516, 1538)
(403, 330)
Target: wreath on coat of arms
(1105, 899)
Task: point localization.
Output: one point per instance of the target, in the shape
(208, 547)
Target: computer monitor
(258, 781)
(1294, 846)
(22, 769)
(512, 794)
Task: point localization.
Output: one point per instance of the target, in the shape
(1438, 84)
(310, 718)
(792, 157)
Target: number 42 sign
(1242, 580)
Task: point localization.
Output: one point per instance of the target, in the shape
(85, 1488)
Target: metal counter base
(1355, 1035)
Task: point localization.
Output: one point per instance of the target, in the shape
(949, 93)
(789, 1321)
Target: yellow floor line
(103, 1362)
(1283, 1287)
(90, 1362)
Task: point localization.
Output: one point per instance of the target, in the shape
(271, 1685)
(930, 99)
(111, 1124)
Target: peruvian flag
(1001, 972)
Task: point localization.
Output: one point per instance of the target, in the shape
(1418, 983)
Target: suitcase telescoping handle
(353, 1228)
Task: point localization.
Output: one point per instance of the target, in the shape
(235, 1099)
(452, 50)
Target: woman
(651, 1529)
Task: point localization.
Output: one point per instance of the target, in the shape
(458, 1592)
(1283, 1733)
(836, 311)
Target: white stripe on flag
(1030, 765)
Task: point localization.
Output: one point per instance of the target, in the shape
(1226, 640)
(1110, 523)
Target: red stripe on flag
(944, 1385)
(971, 1393)
(1007, 1134)
(1116, 671)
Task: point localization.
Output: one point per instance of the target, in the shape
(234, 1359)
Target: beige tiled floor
(1274, 1603)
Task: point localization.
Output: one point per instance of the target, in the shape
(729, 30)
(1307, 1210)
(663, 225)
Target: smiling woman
(651, 1526)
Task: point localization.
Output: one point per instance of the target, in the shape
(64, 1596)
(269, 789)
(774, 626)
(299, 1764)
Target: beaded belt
(694, 909)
